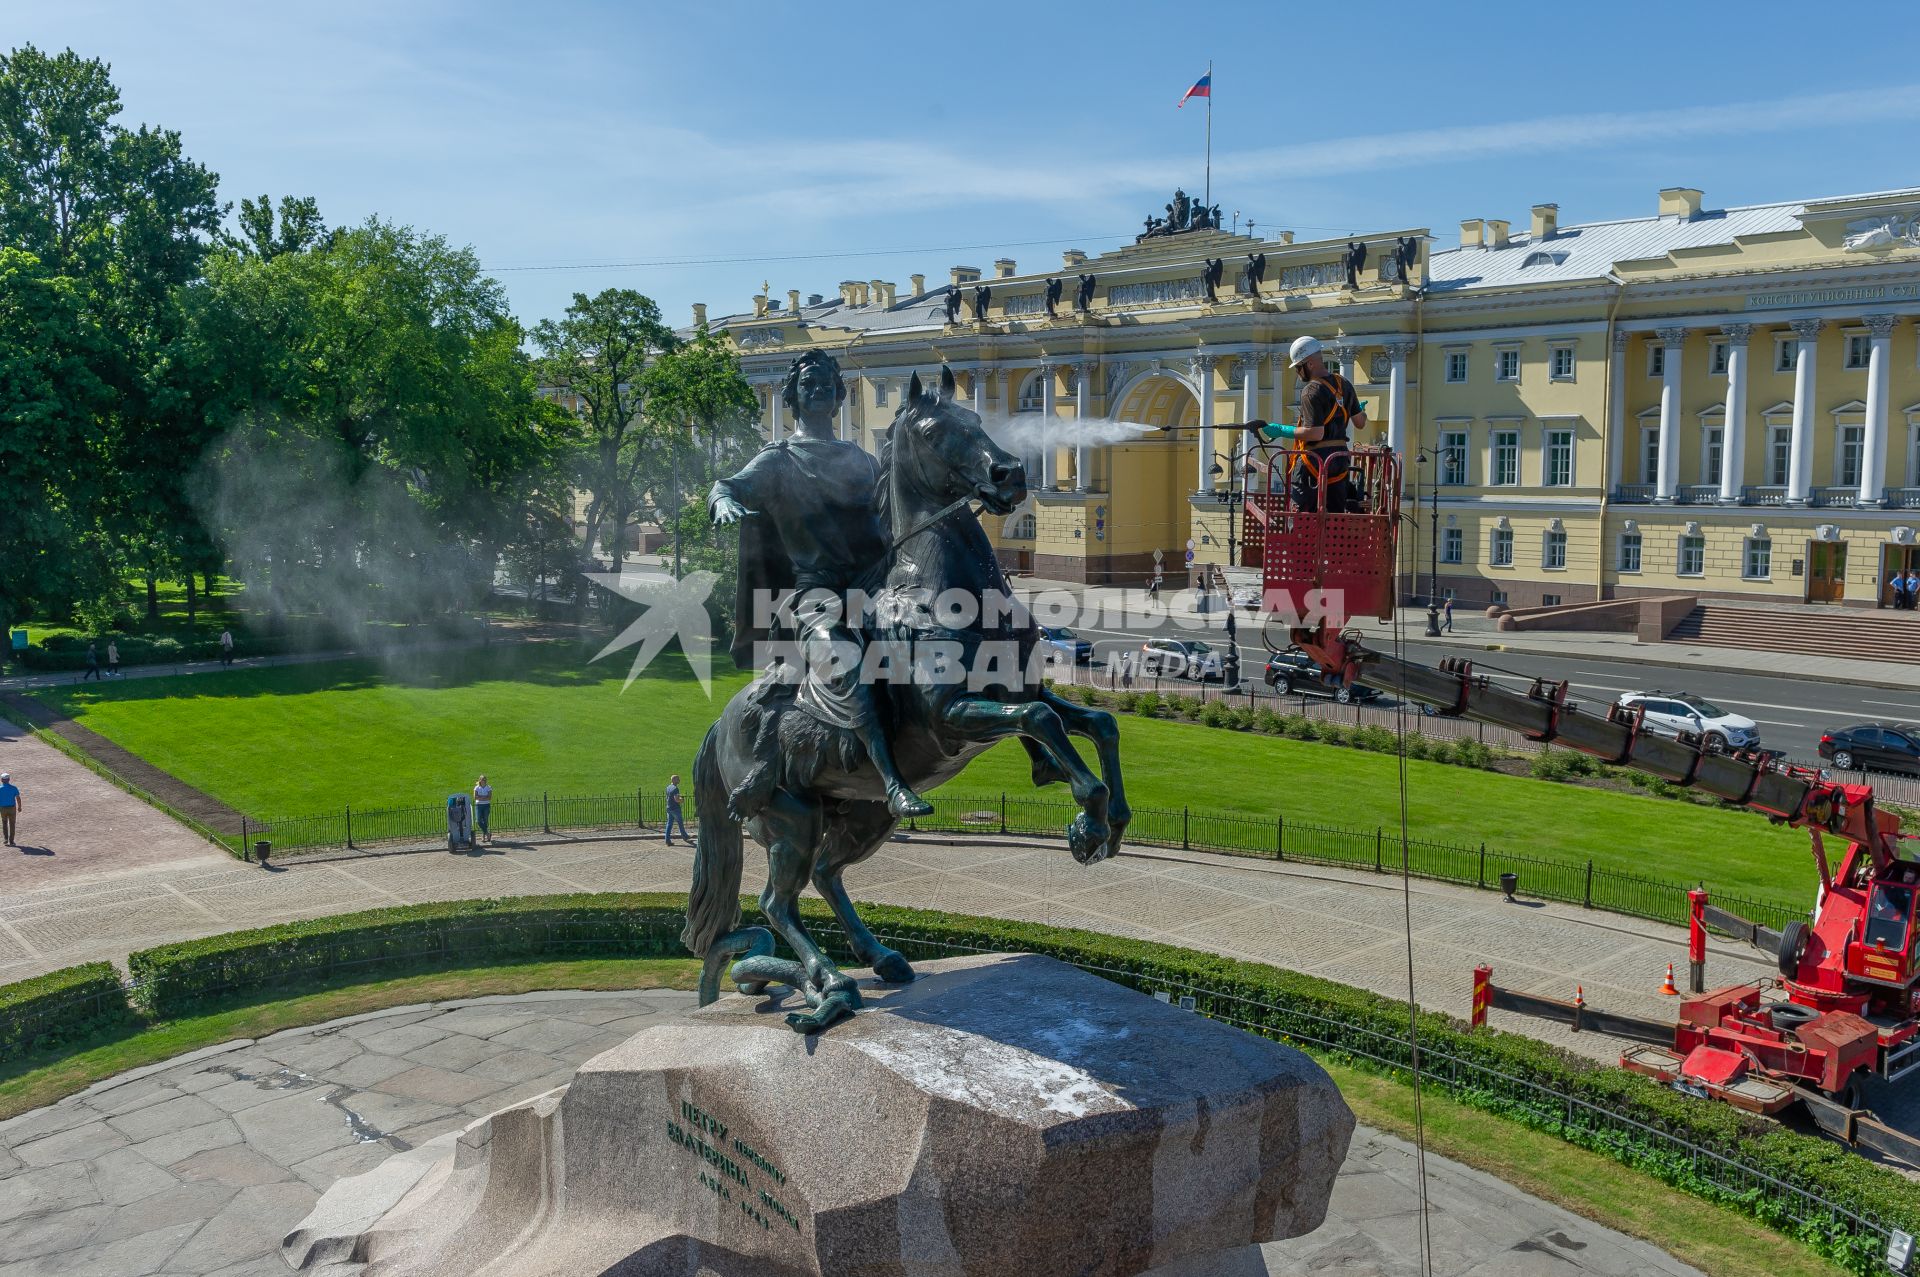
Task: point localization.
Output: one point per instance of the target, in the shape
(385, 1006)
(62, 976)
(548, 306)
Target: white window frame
(1549, 600)
(1453, 545)
(1681, 550)
(1548, 439)
(1494, 437)
(1499, 596)
(1656, 360)
(1555, 354)
(1849, 437)
(1649, 454)
(1913, 453)
(1753, 546)
(1780, 453)
(1553, 544)
(1852, 339)
(1620, 552)
(1713, 444)
(1038, 400)
(1498, 541)
(1502, 357)
(1717, 357)
(1466, 367)
(1786, 349)
(1456, 442)
(879, 393)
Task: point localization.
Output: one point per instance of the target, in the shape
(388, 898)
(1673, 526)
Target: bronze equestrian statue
(820, 769)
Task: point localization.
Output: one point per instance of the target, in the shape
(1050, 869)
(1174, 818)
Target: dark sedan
(1293, 672)
(1874, 747)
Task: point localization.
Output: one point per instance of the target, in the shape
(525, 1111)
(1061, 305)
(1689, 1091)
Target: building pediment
(1782, 409)
(1713, 410)
(1851, 408)
(1869, 223)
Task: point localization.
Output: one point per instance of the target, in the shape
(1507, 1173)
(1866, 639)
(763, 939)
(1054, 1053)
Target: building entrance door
(1900, 559)
(1826, 571)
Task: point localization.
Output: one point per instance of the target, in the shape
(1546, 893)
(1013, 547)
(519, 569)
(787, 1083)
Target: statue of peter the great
(808, 513)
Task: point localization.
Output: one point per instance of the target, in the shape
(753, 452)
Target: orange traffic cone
(1579, 995)
(1668, 988)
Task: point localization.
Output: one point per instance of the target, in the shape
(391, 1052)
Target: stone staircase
(1850, 633)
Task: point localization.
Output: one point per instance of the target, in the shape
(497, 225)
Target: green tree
(52, 401)
(300, 227)
(702, 422)
(598, 353)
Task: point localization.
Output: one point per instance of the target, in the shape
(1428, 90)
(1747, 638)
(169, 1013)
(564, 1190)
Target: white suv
(1670, 713)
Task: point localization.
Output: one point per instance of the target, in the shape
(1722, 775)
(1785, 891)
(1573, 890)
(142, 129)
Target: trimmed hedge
(60, 1006)
(1597, 1106)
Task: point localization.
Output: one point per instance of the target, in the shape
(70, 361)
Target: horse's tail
(713, 902)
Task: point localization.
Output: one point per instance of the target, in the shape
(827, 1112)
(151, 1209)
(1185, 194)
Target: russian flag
(1202, 88)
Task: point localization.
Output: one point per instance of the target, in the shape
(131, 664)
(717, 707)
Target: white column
(774, 405)
(1201, 368)
(1050, 427)
(1800, 459)
(1397, 353)
(845, 429)
(977, 378)
(1617, 412)
(1733, 435)
(1873, 462)
(1674, 342)
(1082, 374)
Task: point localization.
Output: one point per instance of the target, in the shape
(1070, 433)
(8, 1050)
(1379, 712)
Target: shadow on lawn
(542, 662)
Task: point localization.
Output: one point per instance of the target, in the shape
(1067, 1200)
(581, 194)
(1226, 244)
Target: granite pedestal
(1002, 1116)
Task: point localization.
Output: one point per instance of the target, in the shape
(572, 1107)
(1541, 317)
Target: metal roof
(1591, 250)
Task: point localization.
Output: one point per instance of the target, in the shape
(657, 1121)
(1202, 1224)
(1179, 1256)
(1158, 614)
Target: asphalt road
(1791, 712)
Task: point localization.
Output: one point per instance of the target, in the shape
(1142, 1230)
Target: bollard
(349, 827)
(546, 822)
(1186, 829)
(1482, 995)
(1697, 940)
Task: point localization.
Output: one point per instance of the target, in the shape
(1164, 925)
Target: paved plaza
(1344, 925)
(198, 1167)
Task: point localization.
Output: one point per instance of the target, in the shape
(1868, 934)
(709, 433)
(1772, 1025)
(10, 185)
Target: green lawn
(303, 739)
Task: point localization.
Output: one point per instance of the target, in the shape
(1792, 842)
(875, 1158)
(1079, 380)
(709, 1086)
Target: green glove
(1277, 430)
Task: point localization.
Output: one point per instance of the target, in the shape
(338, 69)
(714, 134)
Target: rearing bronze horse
(806, 791)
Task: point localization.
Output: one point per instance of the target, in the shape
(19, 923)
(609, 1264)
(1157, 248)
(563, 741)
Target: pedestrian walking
(674, 814)
(1897, 583)
(113, 658)
(93, 663)
(10, 808)
(226, 647)
(1153, 588)
(1446, 616)
(483, 806)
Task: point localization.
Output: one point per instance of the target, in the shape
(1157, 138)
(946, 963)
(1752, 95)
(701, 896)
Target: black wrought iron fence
(1375, 849)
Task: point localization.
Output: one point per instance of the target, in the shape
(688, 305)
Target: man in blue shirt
(10, 807)
(674, 815)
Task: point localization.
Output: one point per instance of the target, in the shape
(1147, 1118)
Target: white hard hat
(1302, 347)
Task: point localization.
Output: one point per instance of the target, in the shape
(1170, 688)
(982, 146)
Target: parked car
(1067, 643)
(1248, 597)
(1670, 713)
(1181, 658)
(1874, 747)
(1293, 672)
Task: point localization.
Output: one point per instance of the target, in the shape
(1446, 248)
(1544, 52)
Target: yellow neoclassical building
(1715, 401)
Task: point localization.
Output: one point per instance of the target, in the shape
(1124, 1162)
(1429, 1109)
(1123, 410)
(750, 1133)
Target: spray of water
(1029, 432)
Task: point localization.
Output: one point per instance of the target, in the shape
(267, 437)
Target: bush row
(59, 1007)
(1607, 1109)
(67, 652)
(1268, 721)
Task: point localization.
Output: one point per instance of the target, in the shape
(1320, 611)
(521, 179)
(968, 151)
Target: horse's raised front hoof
(832, 1009)
(1085, 839)
(892, 968)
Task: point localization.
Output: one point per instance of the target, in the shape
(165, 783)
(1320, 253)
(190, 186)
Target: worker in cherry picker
(1323, 430)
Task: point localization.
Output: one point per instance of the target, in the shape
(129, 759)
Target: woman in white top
(482, 805)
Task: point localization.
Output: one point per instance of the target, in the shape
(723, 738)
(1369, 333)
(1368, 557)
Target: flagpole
(1209, 189)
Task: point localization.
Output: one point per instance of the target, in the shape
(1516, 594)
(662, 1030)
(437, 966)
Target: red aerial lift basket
(1347, 558)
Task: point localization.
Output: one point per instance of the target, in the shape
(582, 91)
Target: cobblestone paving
(198, 1167)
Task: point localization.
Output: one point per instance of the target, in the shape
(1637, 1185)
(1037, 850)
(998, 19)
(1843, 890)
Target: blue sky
(572, 134)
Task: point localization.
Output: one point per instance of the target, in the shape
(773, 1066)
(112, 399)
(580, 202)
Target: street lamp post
(1433, 539)
(1230, 673)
